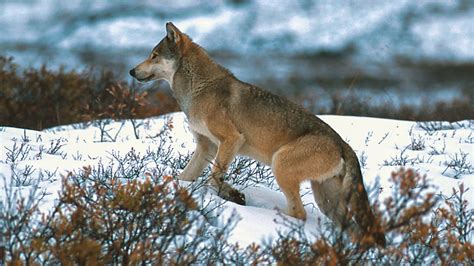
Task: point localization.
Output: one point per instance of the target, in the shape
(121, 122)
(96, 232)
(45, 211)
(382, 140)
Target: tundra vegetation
(116, 214)
(42, 98)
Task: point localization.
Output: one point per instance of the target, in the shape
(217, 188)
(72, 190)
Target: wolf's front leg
(226, 152)
(202, 156)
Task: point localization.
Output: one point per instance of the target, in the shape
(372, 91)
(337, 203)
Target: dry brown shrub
(106, 221)
(42, 98)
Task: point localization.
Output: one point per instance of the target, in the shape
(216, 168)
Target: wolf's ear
(172, 32)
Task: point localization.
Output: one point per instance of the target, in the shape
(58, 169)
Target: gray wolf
(229, 117)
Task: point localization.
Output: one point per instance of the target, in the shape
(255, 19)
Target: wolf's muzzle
(132, 72)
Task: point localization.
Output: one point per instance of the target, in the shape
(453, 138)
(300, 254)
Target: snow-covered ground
(443, 151)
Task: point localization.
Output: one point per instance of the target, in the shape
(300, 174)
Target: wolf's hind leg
(307, 158)
(331, 200)
(291, 188)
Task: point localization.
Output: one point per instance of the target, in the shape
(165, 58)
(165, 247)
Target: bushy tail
(357, 199)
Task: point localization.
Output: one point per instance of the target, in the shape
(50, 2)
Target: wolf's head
(161, 63)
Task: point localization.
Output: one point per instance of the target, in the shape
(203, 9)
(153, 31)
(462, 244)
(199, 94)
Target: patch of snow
(379, 142)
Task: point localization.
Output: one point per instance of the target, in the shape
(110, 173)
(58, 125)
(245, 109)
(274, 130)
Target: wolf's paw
(237, 197)
(297, 213)
(233, 195)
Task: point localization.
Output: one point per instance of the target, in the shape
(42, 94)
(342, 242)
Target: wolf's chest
(184, 103)
(200, 127)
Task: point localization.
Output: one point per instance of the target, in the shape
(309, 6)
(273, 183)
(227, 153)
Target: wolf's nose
(132, 72)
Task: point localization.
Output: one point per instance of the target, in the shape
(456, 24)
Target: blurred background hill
(400, 52)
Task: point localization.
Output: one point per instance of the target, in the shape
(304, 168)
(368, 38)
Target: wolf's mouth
(146, 79)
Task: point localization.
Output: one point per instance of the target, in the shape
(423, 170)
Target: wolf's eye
(154, 55)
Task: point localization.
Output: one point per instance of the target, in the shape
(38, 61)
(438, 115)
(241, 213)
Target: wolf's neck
(195, 73)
